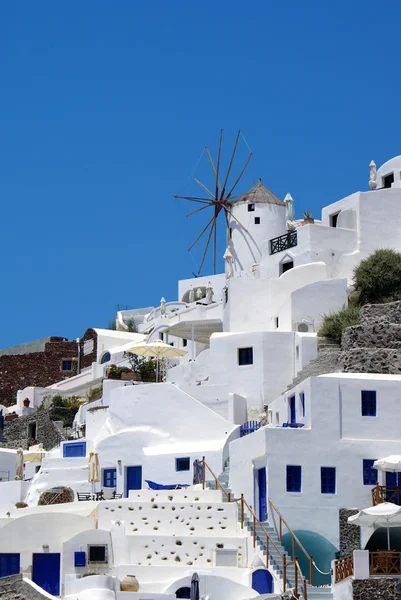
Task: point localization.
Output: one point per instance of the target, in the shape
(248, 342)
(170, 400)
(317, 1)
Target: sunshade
(194, 595)
(157, 349)
(390, 463)
(382, 515)
(93, 468)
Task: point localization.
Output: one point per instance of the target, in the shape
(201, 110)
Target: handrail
(255, 520)
(294, 540)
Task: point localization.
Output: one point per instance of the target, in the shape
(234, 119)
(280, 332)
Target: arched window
(105, 358)
(184, 592)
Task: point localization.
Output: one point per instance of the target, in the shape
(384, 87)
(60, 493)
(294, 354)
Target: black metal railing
(283, 242)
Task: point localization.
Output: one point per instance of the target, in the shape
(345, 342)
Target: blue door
(9, 564)
(46, 572)
(74, 450)
(262, 581)
(262, 494)
(133, 479)
(293, 414)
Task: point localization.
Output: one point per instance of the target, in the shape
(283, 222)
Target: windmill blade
(212, 163)
(235, 219)
(200, 235)
(207, 244)
(199, 209)
(215, 247)
(193, 199)
(218, 164)
(204, 187)
(239, 176)
(229, 166)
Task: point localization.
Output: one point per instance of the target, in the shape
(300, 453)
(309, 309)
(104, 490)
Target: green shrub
(114, 372)
(334, 324)
(378, 277)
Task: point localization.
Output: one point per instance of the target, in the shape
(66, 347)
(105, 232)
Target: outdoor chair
(117, 496)
(99, 495)
(83, 497)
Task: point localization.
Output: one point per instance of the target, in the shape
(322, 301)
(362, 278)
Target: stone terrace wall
(384, 588)
(374, 346)
(350, 535)
(16, 432)
(15, 588)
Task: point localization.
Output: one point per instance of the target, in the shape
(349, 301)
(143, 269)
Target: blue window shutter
(79, 559)
(294, 478)
(328, 480)
(109, 478)
(74, 450)
(369, 473)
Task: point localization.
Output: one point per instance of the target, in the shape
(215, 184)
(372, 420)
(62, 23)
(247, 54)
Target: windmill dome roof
(260, 194)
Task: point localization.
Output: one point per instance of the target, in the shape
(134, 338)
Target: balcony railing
(385, 493)
(283, 242)
(385, 563)
(344, 567)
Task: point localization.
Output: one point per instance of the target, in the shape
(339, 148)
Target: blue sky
(105, 109)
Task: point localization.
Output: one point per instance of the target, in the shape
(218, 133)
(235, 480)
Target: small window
(251, 208)
(245, 356)
(257, 220)
(328, 480)
(97, 554)
(302, 399)
(184, 343)
(74, 450)
(276, 322)
(109, 478)
(333, 219)
(162, 336)
(294, 478)
(182, 464)
(286, 266)
(66, 365)
(369, 473)
(79, 559)
(368, 401)
(184, 592)
(32, 431)
(388, 180)
(105, 358)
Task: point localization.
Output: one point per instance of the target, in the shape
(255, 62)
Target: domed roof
(260, 194)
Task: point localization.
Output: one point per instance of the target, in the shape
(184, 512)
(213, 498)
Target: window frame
(367, 471)
(384, 186)
(302, 401)
(333, 219)
(251, 207)
(112, 472)
(248, 356)
(368, 404)
(66, 360)
(294, 479)
(257, 220)
(328, 480)
(182, 459)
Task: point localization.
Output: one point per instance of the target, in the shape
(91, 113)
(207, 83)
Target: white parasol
(382, 515)
(157, 349)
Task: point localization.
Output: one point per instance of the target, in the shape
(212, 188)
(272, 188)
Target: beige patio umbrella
(19, 467)
(93, 469)
(157, 349)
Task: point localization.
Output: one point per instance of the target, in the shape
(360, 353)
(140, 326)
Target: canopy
(158, 349)
(390, 463)
(382, 515)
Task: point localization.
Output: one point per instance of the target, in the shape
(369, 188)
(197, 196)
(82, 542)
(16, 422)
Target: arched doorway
(378, 539)
(184, 592)
(262, 581)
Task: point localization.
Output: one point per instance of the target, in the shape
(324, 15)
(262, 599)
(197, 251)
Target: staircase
(327, 361)
(275, 561)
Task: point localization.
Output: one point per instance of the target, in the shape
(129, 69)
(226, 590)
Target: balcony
(385, 493)
(283, 242)
(382, 563)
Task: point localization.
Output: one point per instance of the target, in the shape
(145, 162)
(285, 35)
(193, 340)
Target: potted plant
(26, 402)
(20, 505)
(308, 217)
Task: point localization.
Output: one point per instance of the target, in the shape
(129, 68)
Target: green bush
(334, 324)
(378, 277)
(114, 372)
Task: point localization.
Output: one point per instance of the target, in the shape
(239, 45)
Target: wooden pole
(296, 576)
(196, 472)
(242, 511)
(311, 570)
(281, 529)
(284, 573)
(254, 530)
(267, 551)
(203, 473)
